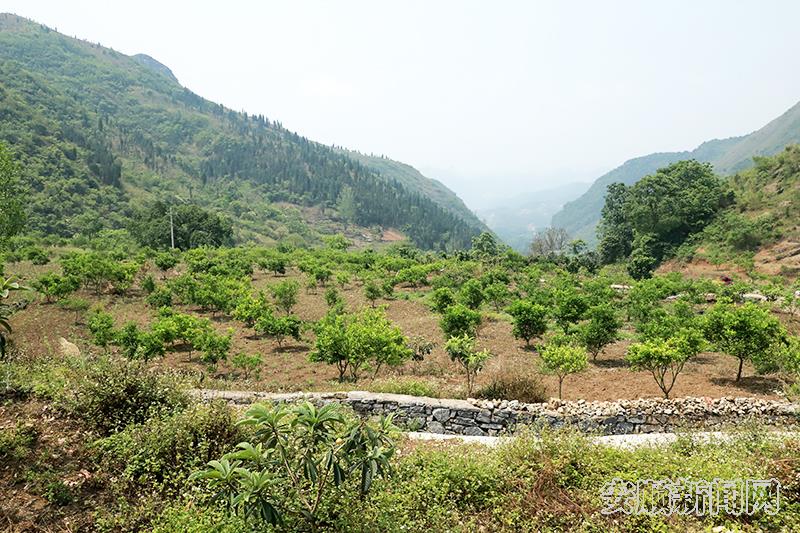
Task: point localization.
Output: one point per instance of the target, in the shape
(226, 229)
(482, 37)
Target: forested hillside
(105, 133)
(415, 181)
(581, 216)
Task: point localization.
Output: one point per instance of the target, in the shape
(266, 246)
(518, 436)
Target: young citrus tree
(285, 294)
(562, 360)
(461, 349)
(600, 329)
(459, 320)
(746, 332)
(529, 320)
(665, 359)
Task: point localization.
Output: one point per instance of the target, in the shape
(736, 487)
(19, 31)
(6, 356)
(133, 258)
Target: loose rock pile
(495, 417)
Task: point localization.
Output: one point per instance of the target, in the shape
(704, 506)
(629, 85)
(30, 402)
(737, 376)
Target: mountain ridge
(107, 132)
(729, 155)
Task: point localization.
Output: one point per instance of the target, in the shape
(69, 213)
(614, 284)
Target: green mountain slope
(99, 132)
(580, 217)
(414, 180)
(761, 230)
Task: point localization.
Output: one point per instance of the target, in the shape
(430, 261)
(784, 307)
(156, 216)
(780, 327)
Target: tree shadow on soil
(752, 384)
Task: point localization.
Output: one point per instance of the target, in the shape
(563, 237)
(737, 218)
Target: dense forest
(105, 133)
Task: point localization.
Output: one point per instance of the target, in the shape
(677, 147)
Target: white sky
(490, 97)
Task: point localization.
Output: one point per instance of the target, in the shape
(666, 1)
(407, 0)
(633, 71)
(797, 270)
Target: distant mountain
(414, 180)
(516, 219)
(580, 217)
(99, 133)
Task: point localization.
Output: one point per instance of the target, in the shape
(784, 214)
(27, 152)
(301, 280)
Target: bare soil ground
(38, 328)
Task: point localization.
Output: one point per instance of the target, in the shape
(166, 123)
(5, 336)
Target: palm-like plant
(6, 286)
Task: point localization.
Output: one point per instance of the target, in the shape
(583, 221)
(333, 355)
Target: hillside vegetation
(581, 216)
(103, 133)
(415, 181)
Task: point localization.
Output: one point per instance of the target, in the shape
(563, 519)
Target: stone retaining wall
(485, 417)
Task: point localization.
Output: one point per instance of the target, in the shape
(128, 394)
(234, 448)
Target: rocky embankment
(493, 417)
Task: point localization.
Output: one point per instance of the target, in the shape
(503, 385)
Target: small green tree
(214, 347)
(569, 307)
(459, 320)
(372, 292)
(600, 330)
(279, 327)
(76, 305)
(285, 294)
(746, 332)
(471, 294)
(247, 363)
(563, 360)
(55, 286)
(461, 350)
(442, 298)
(352, 341)
(529, 320)
(497, 294)
(101, 326)
(665, 359)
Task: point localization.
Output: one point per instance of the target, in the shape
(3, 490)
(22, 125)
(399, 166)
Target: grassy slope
(580, 217)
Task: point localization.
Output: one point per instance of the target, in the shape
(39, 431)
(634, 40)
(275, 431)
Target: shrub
(101, 326)
(285, 294)
(600, 329)
(115, 393)
(54, 286)
(471, 294)
(372, 292)
(333, 299)
(511, 385)
(498, 294)
(462, 351)
(250, 309)
(37, 256)
(665, 359)
(299, 455)
(458, 321)
(279, 327)
(166, 260)
(161, 296)
(442, 298)
(247, 363)
(214, 347)
(746, 332)
(161, 452)
(569, 306)
(562, 360)
(138, 344)
(529, 320)
(148, 284)
(352, 341)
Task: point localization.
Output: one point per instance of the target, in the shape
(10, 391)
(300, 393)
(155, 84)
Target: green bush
(160, 453)
(115, 393)
(458, 320)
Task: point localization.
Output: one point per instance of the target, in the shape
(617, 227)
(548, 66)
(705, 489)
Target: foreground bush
(115, 393)
(299, 457)
(160, 453)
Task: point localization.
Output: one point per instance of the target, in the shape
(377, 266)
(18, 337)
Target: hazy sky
(490, 97)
